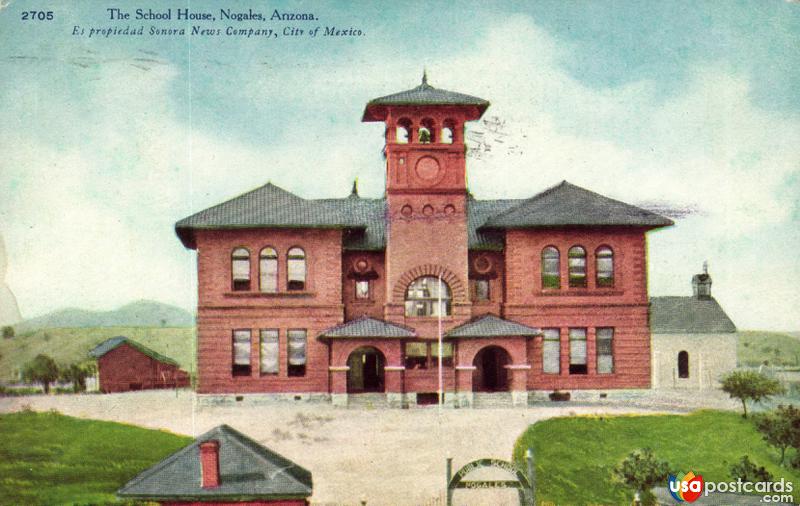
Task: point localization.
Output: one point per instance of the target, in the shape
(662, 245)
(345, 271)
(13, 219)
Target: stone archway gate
(523, 483)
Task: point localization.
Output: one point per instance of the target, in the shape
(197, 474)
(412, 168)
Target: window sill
(580, 292)
(362, 302)
(269, 295)
(430, 318)
(483, 302)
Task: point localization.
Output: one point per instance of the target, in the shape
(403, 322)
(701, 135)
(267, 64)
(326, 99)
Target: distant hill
(143, 313)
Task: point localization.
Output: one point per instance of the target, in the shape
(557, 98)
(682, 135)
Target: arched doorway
(366, 370)
(490, 373)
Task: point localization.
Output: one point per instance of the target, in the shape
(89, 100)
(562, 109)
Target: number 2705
(37, 15)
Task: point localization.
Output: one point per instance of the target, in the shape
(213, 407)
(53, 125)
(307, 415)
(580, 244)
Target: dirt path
(389, 457)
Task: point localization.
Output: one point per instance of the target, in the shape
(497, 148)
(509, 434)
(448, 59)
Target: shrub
(77, 374)
(750, 472)
(640, 471)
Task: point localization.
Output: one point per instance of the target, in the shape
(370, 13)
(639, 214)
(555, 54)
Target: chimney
(701, 284)
(209, 464)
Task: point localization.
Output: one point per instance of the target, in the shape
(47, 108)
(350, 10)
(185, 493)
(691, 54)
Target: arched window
(423, 296)
(551, 269)
(426, 131)
(683, 364)
(268, 270)
(604, 258)
(577, 267)
(403, 131)
(296, 269)
(240, 269)
(448, 131)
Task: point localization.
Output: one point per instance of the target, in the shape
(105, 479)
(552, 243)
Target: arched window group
(426, 133)
(428, 296)
(268, 269)
(576, 267)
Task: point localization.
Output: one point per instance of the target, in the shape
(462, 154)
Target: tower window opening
(448, 132)
(426, 131)
(403, 131)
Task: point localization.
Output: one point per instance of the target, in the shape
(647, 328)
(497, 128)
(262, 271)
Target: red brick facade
(125, 368)
(427, 234)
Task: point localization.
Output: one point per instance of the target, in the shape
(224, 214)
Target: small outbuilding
(124, 365)
(693, 340)
(222, 467)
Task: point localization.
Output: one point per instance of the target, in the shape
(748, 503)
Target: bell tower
(426, 189)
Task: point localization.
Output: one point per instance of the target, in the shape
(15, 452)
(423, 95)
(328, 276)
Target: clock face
(428, 169)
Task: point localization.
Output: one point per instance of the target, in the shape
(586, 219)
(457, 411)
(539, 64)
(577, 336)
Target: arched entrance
(366, 370)
(490, 373)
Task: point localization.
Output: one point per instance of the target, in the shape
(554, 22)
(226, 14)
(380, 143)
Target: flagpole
(441, 378)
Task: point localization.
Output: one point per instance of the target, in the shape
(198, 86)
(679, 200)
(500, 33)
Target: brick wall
(222, 310)
(622, 307)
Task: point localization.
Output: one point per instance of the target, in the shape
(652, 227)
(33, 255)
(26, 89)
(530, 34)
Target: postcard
(399, 253)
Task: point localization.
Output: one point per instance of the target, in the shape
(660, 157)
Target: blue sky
(107, 142)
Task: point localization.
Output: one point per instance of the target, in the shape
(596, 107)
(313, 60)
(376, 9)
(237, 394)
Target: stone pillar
(394, 380)
(464, 385)
(519, 383)
(339, 385)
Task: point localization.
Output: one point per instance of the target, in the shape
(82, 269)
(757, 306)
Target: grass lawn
(70, 345)
(48, 458)
(775, 348)
(575, 456)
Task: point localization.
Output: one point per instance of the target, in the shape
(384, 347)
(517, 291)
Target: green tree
(42, 369)
(77, 374)
(750, 386)
(8, 332)
(749, 472)
(781, 428)
(640, 471)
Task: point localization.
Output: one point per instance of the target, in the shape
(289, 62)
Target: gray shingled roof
(492, 326)
(566, 204)
(271, 206)
(364, 220)
(110, 344)
(688, 315)
(368, 327)
(478, 213)
(248, 471)
(424, 94)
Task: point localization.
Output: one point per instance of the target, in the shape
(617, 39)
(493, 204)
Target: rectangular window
(577, 351)
(447, 354)
(480, 290)
(241, 352)
(551, 351)
(269, 351)
(297, 352)
(605, 350)
(362, 289)
(416, 356)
